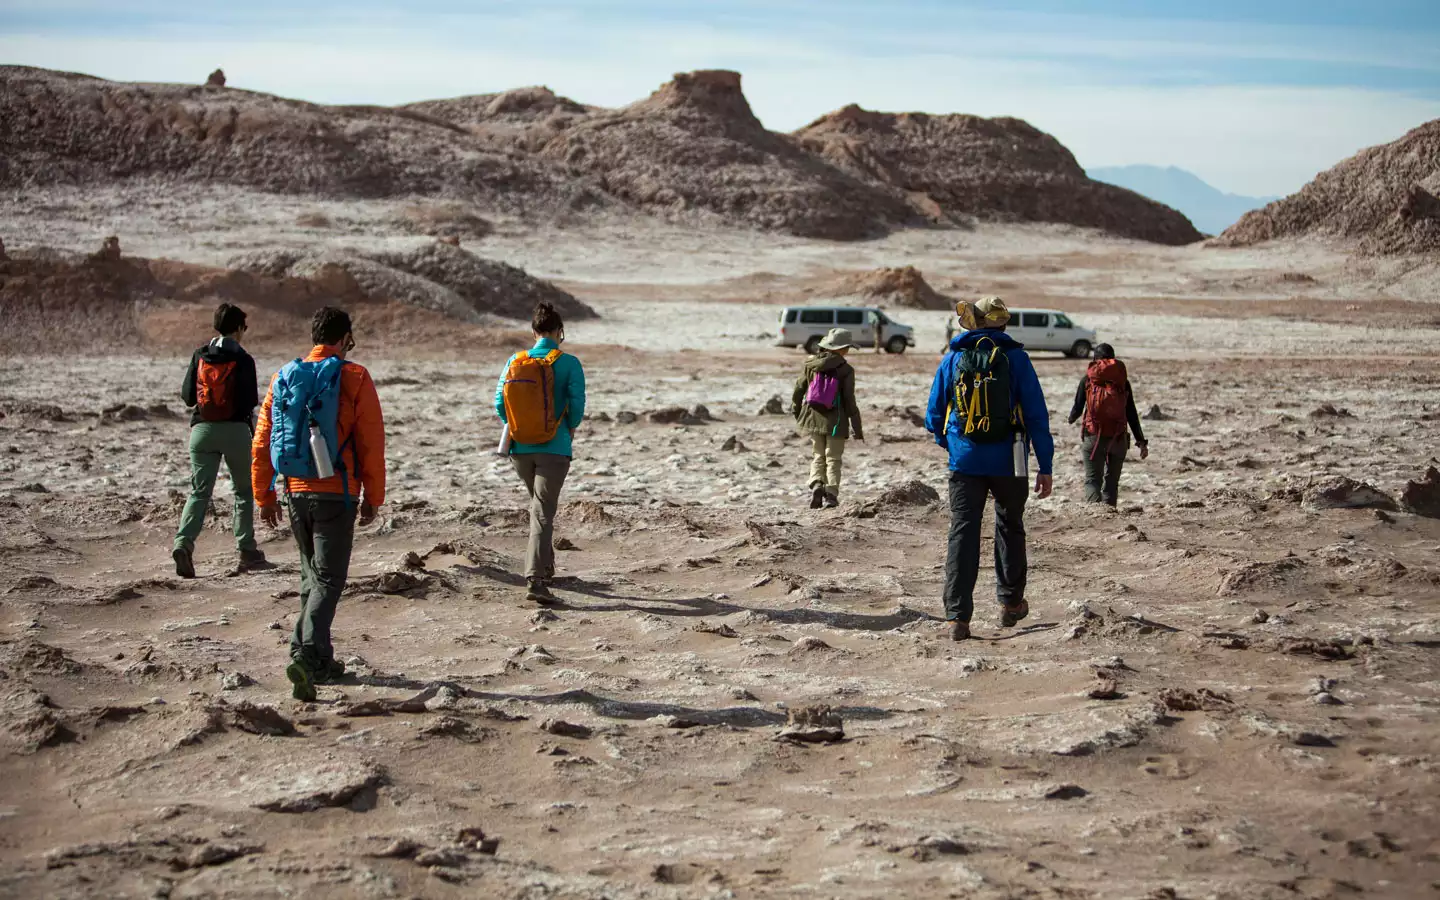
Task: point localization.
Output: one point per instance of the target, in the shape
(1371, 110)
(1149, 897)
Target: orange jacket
(359, 415)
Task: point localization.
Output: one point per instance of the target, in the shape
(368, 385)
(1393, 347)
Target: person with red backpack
(825, 411)
(1106, 402)
(221, 391)
(541, 399)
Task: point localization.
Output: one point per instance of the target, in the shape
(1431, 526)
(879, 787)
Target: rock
(1062, 792)
(1105, 689)
(543, 617)
(1423, 497)
(1155, 414)
(561, 728)
(809, 644)
(1204, 699)
(733, 445)
(721, 629)
(677, 415)
(773, 407)
(932, 846)
(702, 412)
(669, 721)
(474, 838)
(1341, 492)
(400, 848)
(626, 418)
(109, 250)
(565, 544)
(1329, 411)
(685, 873)
(812, 724)
(4, 257)
(1325, 698)
(320, 783)
(33, 487)
(452, 239)
(449, 857)
(1312, 739)
(900, 286)
(911, 493)
(216, 79)
(234, 681)
(218, 854)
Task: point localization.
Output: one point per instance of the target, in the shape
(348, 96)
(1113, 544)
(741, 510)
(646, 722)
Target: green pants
(324, 529)
(210, 443)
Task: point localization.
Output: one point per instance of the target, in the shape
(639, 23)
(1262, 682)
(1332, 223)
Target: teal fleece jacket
(569, 396)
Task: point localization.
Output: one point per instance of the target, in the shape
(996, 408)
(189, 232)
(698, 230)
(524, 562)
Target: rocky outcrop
(1382, 199)
(695, 146)
(954, 168)
(216, 79)
(903, 286)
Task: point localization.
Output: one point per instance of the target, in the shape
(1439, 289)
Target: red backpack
(1106, 398)
(214, 395)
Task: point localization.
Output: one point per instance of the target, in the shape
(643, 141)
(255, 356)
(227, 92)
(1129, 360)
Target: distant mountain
(1211, 209)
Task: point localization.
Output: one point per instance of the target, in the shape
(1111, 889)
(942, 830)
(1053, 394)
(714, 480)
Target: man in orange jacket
(322, 516)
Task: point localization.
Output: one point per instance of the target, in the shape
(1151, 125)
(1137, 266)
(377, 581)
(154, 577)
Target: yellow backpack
(529, 396)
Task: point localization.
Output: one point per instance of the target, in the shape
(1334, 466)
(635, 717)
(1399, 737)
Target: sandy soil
(1273, 704)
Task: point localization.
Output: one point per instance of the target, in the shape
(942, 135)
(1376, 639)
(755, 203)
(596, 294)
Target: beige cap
(987, 312)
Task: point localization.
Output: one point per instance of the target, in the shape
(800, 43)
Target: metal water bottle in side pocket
(320, 453)
(1020, 455)
(504, 447)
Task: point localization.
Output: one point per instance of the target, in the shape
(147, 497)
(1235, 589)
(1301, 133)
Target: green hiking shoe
(537, 591)
(330, 672)
(302, 681)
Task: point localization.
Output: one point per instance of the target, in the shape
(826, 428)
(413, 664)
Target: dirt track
(701, 601)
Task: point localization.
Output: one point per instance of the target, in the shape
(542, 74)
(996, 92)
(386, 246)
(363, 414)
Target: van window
(1063, 321)
(790, 315)
(849, 317)
(1034, 320)
(817, 316)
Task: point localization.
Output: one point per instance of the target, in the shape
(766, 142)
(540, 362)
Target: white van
(804, 326)
(1046, 329)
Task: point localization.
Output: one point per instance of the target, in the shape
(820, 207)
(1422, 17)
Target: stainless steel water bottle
(320, 453)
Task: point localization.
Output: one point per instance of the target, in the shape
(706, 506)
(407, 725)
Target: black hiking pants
(1104, 458)
(962, 559)
(324, 529)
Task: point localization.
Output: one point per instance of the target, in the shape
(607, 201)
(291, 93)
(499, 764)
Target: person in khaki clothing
(825, 411)
(543, 467)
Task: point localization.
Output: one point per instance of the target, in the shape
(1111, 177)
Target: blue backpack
(306, 393)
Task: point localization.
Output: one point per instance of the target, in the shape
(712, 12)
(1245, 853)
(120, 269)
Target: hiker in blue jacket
(987, 409)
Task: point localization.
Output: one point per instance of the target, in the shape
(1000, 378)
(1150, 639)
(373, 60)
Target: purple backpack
(823, 390)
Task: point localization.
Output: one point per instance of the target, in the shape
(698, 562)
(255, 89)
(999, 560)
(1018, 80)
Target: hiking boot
(252, 557)
(830, 501)
(817, 496)
(538, 592)
(302, 681)
(959, 631)
(329, 672)
(184, 562)
(1010, 615)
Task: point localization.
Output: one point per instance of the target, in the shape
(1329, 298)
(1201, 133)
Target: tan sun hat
(837, 339)
(987, 312)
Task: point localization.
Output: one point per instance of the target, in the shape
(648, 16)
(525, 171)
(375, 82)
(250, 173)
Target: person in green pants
(221, 390)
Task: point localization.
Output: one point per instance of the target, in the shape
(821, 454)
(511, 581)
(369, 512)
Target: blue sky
(1255, 97)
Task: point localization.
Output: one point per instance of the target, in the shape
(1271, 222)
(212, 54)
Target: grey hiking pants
(1103, 465)
(324, 529)
(544, 477)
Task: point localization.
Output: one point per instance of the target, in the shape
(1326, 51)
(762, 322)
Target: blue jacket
(569, 396)
(968, 457)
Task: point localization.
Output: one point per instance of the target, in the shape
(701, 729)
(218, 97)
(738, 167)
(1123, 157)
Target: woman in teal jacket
(543, 467)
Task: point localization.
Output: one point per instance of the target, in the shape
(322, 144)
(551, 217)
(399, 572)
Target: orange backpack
(529, 396)
(212, 391)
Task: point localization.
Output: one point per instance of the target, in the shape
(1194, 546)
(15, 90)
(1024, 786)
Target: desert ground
(1228, 688)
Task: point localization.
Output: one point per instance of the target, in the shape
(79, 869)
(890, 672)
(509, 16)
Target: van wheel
(895, 345)
(812, 346)
(1081, 350)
